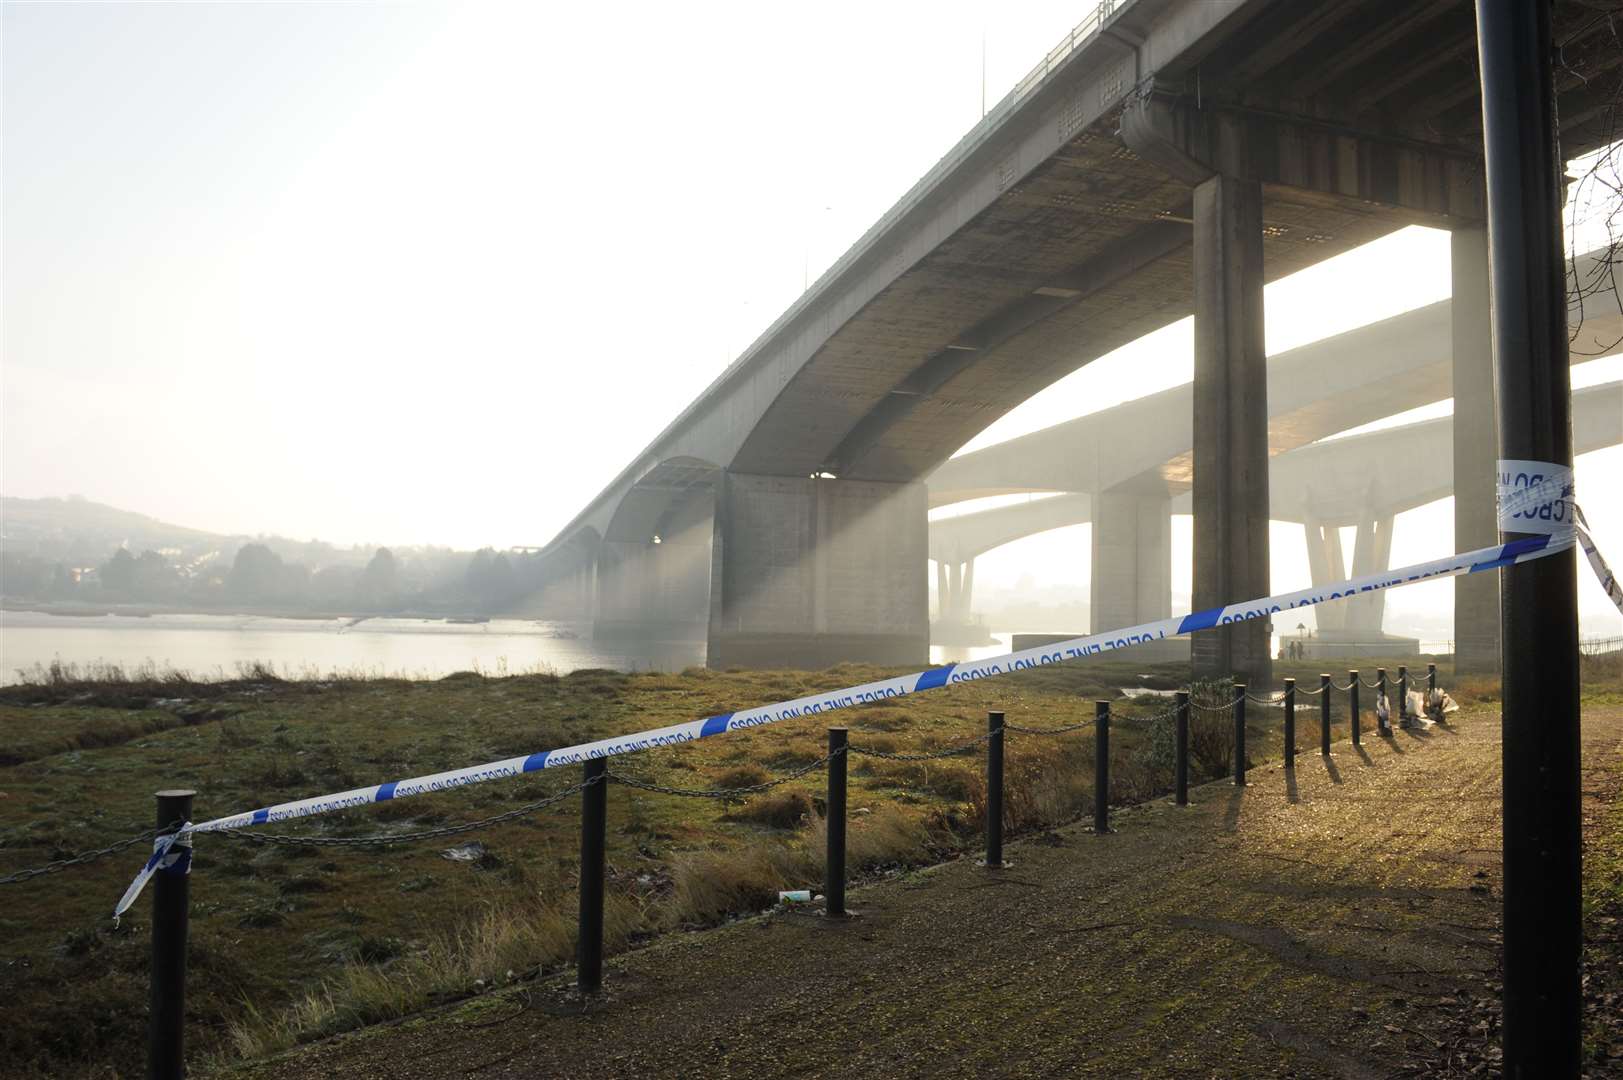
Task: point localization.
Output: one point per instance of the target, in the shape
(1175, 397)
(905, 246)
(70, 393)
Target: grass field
(289, 944)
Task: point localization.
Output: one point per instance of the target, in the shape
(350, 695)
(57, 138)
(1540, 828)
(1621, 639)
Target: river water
(214, 646)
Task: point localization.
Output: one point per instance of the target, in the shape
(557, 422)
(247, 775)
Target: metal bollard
(594, 820)
(994, 789)
(1180, 749)
(834, 859)
(1383, 726)
(171, 894)
(1324, 715)
(1290, 723)
(1101, 766)
(1239, 735)
(1352, 703)
(1431, 692)
(1403, 694)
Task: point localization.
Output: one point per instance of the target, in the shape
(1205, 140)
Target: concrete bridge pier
(955, 590)
(1132, 560)
(814, 571)
(657, 587)
(1230, 496)
(1476, 451)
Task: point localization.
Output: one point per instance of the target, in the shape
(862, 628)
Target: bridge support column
(1476, 452)
(1132, 560)
(1230, 425)
(811, 572)
(656, 591)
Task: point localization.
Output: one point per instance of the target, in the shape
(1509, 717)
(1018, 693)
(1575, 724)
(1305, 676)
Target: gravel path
(1337, 923)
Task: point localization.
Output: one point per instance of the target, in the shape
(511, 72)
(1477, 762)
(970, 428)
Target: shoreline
(143, 611)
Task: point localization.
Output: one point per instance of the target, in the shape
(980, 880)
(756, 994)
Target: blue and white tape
(1528, 496)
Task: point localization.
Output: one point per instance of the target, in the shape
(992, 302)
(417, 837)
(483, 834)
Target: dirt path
(1321, 925)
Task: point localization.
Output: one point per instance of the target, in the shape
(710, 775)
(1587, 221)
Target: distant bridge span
(1167, 158)
(1360, 480)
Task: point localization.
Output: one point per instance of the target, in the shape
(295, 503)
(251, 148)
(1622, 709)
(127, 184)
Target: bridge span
(1169, 157)
(1363, 481)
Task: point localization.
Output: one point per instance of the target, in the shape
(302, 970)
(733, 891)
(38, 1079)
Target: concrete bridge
(1168, 157)
(1360, 480)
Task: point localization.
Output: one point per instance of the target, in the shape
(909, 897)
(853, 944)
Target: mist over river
(213, 646)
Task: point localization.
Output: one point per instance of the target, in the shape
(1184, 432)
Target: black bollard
(1180, 749)
(1324, 715)
(171, 894)
(1383, 726)
(1239, 735)
(834, 858)
(1352, 703)
(994, 789)
(1403, 694)
(1101, 766)
(594, 819)
(1434, 708)
(1290, 723)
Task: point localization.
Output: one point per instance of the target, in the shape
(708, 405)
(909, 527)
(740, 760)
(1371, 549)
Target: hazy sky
(433, 273)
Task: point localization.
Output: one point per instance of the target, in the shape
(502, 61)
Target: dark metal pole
(1431, 692)
(1180, 749)
(1539, 616)
(1352, 703)
(594, 815)
(834, 858)
(994, 789)
(1239, 734)
(1290, 723)
(171, 895)
(1324, 715)
(1101, 766)
(1403, 694)
(1382, 724)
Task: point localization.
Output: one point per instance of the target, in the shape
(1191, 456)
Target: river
(215, 646)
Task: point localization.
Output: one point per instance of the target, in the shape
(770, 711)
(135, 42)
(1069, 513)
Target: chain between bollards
(994, 789)
(594, 811)
(171, 894)
(1324, 714)
(1239, 734)
(1290, 723)
(1180, 749)
(1101, 767)
(834, 847)
(1352, 704)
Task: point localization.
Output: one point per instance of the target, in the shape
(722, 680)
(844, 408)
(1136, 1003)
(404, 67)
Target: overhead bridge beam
(1439, 184)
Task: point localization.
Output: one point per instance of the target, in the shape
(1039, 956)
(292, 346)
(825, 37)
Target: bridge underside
(1188, 153)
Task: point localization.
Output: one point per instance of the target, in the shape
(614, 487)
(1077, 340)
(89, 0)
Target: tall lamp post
(1538, 612)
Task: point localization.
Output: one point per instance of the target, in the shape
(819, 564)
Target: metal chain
(59, 865)
(951, 751)
(1265, 700)
(1048, 730)
(255, 837)
(1346, 688)
(1310, 693)
(720, 793)
(1372, 685)
(1211, 708)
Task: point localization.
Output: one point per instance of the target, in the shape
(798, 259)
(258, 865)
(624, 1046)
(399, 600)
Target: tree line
(486, 581)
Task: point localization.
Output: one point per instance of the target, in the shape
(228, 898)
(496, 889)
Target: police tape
(1530, 498)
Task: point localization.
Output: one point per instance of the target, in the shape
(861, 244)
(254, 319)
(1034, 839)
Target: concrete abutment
(814, 571)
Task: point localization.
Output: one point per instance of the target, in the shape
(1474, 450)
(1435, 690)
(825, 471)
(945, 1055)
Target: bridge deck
(1349, 930)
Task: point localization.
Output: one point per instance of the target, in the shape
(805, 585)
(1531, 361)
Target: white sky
(434, 273)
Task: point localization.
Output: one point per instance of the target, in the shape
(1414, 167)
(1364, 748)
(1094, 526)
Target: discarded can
(795, 896)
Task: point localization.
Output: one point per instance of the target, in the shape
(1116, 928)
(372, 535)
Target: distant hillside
(77, 526)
